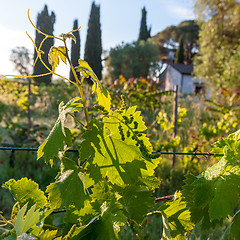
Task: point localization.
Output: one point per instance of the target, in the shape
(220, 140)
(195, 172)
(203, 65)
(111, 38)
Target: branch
(164, 198)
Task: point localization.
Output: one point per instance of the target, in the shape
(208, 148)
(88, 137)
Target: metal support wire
(160, 153)
(28, 149)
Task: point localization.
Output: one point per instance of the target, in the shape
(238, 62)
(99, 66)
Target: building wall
(188, 84)
(173, 77)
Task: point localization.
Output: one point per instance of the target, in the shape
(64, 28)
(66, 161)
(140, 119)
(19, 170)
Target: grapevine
(112, 182)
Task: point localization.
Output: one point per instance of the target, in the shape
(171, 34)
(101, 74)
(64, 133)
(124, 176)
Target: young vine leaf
(23, 222)
(65, 36)
(103, 96)
(59, 134)
(54, 54)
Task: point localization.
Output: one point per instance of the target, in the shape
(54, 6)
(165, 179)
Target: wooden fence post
(175, 119)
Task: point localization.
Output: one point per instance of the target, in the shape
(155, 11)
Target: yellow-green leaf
(103, 96)
(86, 70)
(54, 54)
(22, 222)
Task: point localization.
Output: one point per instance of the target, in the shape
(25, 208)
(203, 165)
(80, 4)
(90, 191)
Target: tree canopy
(133, 60)
(218, 60)
(45, 23)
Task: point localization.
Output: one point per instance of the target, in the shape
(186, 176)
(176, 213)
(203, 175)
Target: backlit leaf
(26, 191)
(23, 222)
(54, 54)
(48, 235)
(59, 135)
(103, 96)
(178, 217)
(70, 186)
(108, 156)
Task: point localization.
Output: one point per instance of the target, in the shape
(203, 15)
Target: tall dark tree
(144, 33)
(93, 46)
(45, 24)
(75, 50)
(180, 52)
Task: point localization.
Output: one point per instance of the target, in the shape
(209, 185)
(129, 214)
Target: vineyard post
(29, 103)
(175, 120)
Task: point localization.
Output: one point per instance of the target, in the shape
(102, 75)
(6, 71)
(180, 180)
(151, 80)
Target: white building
(181, 75)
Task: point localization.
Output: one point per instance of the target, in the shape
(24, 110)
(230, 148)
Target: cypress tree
(93, 46)
(75, 50)
(144, 33)
(45, 24)
(180, 52)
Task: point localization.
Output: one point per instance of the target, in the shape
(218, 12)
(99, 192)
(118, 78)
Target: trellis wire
(160, 153)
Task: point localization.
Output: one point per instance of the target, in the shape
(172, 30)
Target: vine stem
(79, 85)
(164, 198)
(76, 119)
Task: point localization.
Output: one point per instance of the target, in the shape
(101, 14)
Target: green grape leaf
(12, 236)
(214, 194)
(102, 216)
(100, 228)
(108, 156)
(136, 200)
(235, 230)
(59, 134)
(54, 54)
(106, 225)
(70, 187)
(229, 145)
(226, 196)
(103, 96)
(23, 222)
(26, 191)
(178, 217)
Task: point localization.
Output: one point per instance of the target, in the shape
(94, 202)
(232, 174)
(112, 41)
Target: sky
(120, 21)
